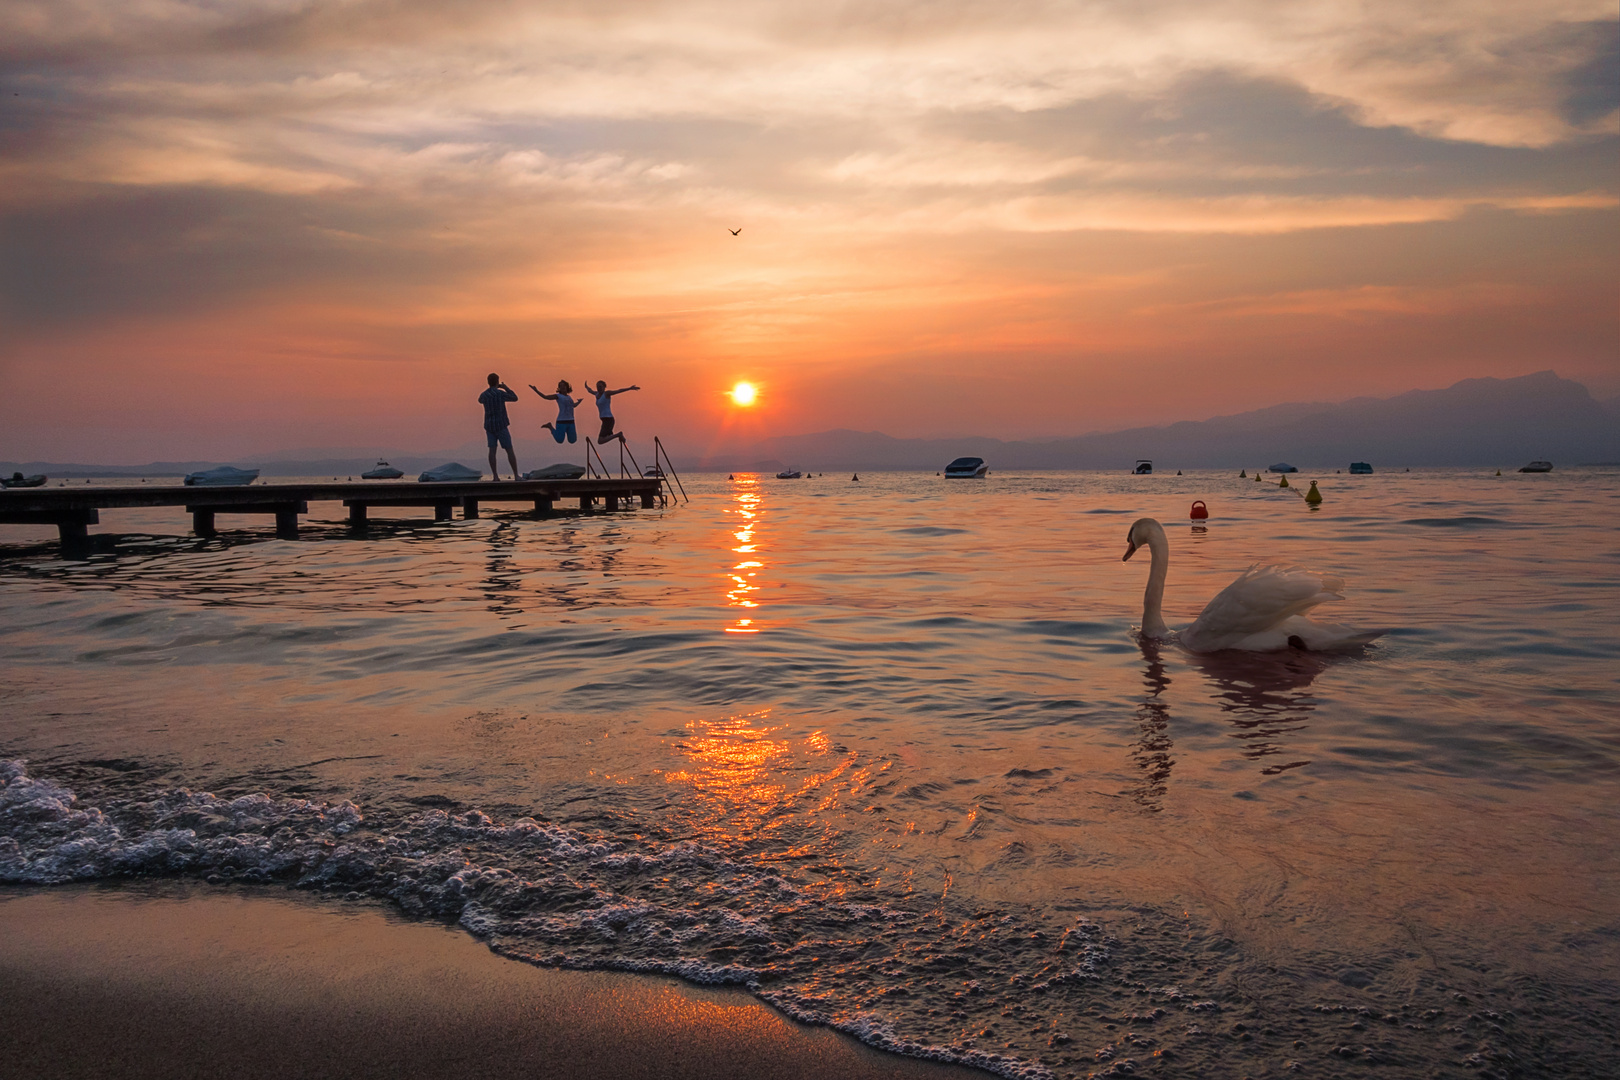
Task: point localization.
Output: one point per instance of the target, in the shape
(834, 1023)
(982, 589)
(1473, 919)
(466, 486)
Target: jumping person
(564, 426)
(496, 425)
(604, 409)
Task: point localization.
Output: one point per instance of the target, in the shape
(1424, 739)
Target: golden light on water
(742, 585)
(744, 394)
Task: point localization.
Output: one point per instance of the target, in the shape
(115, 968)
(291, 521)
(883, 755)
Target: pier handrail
(624, 448)
(659, 448)
(592, 448)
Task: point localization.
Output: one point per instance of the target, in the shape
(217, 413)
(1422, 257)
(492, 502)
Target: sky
(237, 228)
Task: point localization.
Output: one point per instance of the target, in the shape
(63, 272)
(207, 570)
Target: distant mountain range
(1478, 422)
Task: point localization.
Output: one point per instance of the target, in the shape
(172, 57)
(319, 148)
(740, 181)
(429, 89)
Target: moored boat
(1360, 468)
(789, 474)
(18, 480)
(449, 472)
(967, 468)
(556, 472)
(1538, 466)
(1282, 467)
(1144, 467)
(383, 471)
(223, 476)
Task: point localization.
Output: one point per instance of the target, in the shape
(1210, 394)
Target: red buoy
(1200, 512)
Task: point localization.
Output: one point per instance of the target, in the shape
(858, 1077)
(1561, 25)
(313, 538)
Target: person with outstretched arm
(604, 409)
(496, 424)
(563, 427)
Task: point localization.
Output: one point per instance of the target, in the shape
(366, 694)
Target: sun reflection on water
(752, 781)
(743, 587)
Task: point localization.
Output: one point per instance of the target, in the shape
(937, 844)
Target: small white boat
(653, 472)
(224, 476)
(449, 472)
(556, 472)
(967, 468)
(789, 474)
(1144, 467)
(1538, 466)
(1282, 466)
(18, 480)
(383, 471)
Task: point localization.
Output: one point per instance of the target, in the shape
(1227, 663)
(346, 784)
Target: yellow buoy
(1243, 474)
(1313, 496)
(1284, 482)
(1498, 472)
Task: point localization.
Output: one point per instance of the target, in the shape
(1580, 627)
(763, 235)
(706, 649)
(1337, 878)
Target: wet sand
(176, 980)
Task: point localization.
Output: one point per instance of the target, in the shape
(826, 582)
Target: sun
(744, 393)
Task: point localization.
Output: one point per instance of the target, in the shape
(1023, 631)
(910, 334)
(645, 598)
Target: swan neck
(1153, 600)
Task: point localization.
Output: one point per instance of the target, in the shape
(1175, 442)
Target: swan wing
(1256, 604)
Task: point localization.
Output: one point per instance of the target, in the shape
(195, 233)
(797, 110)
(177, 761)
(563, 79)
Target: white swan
(1263, 610)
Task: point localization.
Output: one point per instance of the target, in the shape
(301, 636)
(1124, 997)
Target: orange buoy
(1199, 511)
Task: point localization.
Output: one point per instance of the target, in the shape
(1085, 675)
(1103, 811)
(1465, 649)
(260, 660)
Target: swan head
(1141, 535)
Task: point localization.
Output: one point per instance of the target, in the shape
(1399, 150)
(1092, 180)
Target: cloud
(382, 181)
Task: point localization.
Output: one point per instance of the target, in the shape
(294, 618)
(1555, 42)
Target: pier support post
(202, 523)
(646, 500)
(73, 530)
(469, 509)
(610, 503)
(357, 516)
(542, 507)
(287, 523)
(585, 502)
(441, 511)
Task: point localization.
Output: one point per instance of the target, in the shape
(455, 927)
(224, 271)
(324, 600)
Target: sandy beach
(171, 979)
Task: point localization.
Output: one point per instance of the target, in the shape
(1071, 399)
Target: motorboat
(18, 480)
(556, 472)
(789, 474)
(1538, 466)
(1282, 466)
(449, 472)
(653, 472)
(383, 471)
(1360, 468)
(224, 476)
(967, 468)
(1144, 467)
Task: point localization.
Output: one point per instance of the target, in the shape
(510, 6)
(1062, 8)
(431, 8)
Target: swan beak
(1130, 549)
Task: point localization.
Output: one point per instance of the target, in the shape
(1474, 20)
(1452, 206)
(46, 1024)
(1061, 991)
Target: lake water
(888, 753)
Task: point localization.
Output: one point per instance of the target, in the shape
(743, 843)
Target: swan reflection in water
(1263, 696)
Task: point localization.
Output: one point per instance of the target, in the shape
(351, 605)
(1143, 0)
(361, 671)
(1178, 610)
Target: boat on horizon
(967, 468)
(1360, 468)
(223, 476)
(383, 471)
(18, 480)
(1538, 466)
(1144, 467)
(789, 474)
(1283, 467)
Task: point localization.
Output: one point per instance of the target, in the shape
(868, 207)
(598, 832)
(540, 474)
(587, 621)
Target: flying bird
(734, 232)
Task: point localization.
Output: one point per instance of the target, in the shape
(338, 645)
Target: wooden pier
(74, 509)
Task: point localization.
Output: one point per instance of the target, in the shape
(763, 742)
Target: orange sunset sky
(230, 229)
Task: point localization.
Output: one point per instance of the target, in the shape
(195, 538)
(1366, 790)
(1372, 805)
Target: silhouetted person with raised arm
(604, 409)
(496, 425)
(563, 427)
